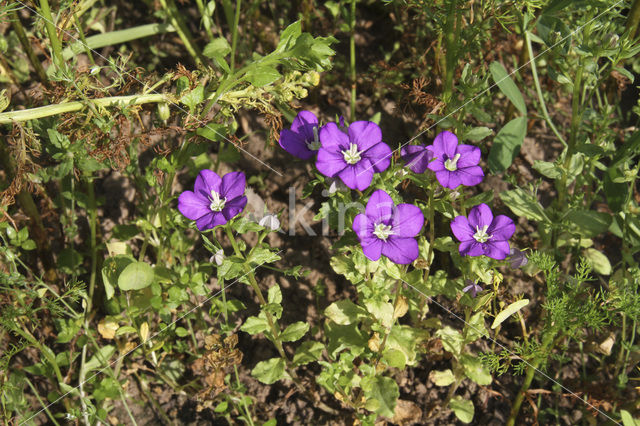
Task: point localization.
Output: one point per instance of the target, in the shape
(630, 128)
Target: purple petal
(496, 249)
(206, 182)
(330, 163)
(193, 206)
(471, 248)
(502, 228)
(445, 143)
(304, 123)
(357, 176)
(295, 144)
(233, 184)
(480, 216)
(362, 226)
(448, 179)
(379, 155)
(461, 228)
(210, 221)
(365, 134)
(469, 156)
(332, 137)
(470, 176)
(416, 157)
(372, 248)
(407, 221)
(380, 207)
(401, 250)
(234, 207)
(436, 165)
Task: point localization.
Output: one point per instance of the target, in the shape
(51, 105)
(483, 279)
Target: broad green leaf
(475, 370)
(462, 408)
(547, 169)
(193, 97)
(274, 294)
(308, 352)
(269, 371)
(341, 337)
(294, 331)
(262, 255)
(136, 276)
(345, 266)
(589, 223)
(214, 132)
(394, 358)
(217, 48)
(627, 419)
(344, 312)
(476, 328)
(442, 378)
(523, 204)
(451, 339)
(382, 311)
(508, 311)
(68, 329)
(598, 260)
(254, 325)
(289, 36)
(262, 75)
(506, 144)
(405, 339)
(507, 86)
(476, 134)
(100, 358)
(381, 394)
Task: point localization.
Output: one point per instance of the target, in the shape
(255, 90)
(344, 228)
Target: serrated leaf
(269, 371)
(462, 408)
(507, 86)
(136, 276)
(508, 311)
(217, 48)
(506, 144)
(382, 311)
(294, 331)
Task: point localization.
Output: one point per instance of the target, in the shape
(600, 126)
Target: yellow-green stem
(56, 44)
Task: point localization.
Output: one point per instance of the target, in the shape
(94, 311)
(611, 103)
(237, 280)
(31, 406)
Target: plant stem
(56, 44)
(633, 19)
(576, 115)
(536, 82)
(352, 58)
(24, 41)
(450, 53)
(183, 32)
(42, 404)
(234, 36)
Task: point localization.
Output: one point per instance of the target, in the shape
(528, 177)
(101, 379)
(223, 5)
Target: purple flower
(385, 228)
(517, 258)
(483, 234)
(455, 164)
(473, 288)
(302, 140)
(416, 157)
(214, 201)
(353, 156)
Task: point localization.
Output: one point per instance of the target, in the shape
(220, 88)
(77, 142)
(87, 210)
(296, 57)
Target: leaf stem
(24, 41)
(56, 44)
(352, 58)
(234, 35)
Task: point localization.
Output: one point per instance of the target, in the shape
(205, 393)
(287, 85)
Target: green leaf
(547, 169)
(289, 36)
(476, 134)
(68, 329)
(345, 266)
(507, 86)
(442, 378)
(506, 144)
(381, 394)
(462, 408)
(599, 261)
(475, 370)
(508, 311)
(476, 328)
(136, 276)
(344, 312)
(214, 132)
(217, 48)
(193, 97)
(308, 352)
(269, 371)
(394, 358)
(589, 223)
(382, 311)
(274, 294)
(294, 331)
(627, 419)
(261, 255)
(451, 339)
(254, 325)
(341, 337)
(262, 75)
(523, 204)
(100, 358)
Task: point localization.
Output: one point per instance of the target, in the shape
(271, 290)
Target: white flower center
(481, 235)
(351, 155)
(315, 144)
(217, 203)
(382, 231)
(451, 164)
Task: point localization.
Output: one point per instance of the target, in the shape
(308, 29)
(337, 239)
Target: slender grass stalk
(44, 406)
(234, 36)
(228, 12)
(206, 19)
(24, 42)
(50, 110)
(80, 31)
(633, 19)
(352, 58)
(56, 44)
(183, 32)
(450, 43)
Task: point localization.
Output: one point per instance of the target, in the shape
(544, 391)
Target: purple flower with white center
(214, 200)
(483, 234)
(302, 140)
(517, 258)
(455, 164)
(416, 157)
(353, 156)
(387, 229)
(472, 288)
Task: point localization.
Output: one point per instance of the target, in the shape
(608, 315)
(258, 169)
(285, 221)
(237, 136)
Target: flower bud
(163, 111)
(270, 222)
(218, 257)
